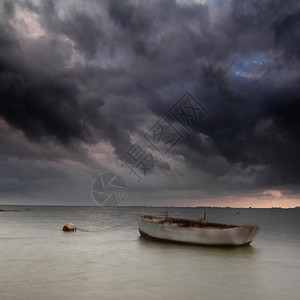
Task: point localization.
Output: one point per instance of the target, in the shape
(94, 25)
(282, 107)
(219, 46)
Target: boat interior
(185, 222)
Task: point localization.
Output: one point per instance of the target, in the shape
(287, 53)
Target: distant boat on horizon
(194, 232)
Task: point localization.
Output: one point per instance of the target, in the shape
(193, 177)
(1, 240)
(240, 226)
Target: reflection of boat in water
(195, 232)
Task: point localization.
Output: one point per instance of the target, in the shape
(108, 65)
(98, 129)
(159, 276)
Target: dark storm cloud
(85, 32)
(37, 108)
(261, 129)
(103, 68)
(8, 7)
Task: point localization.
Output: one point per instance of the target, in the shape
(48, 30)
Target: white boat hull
(210, 236)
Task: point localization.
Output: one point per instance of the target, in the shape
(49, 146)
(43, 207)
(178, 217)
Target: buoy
(69, 227)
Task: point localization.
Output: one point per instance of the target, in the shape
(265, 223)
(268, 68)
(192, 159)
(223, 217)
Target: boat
(195, 232)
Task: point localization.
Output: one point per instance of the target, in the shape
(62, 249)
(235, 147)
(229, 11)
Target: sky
(186, 103)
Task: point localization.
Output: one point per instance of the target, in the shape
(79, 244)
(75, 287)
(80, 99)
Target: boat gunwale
(187, 223)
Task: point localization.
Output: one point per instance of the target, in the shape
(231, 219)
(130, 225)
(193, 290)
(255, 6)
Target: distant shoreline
(147, 206)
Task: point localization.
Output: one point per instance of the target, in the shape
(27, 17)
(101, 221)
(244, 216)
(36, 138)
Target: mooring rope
(114, 226)
(80, 229)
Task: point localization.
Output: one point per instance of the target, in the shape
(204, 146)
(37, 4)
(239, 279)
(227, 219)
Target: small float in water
(69, 227)
(195, 232)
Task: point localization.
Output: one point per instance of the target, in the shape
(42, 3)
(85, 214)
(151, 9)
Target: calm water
(111, 261)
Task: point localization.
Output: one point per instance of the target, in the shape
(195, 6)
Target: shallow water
(111, 261)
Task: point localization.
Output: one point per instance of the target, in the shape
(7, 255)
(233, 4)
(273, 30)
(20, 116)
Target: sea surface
(111, 261)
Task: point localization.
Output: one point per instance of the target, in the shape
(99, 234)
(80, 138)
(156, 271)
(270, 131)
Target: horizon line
(149, 206)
